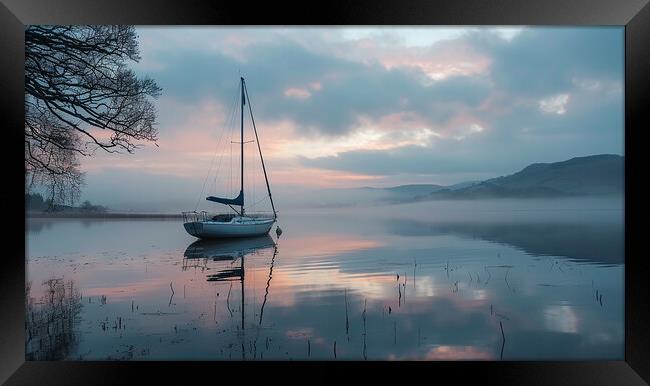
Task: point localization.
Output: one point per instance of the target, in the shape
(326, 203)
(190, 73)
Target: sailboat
(239, 223)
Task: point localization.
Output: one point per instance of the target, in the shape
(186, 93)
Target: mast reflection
(200, 253)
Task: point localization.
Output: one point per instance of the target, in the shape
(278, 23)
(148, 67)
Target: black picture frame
(633, 14)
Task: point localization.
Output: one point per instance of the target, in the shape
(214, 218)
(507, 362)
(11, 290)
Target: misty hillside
(596, 175)
(410, 190)
(414, 191)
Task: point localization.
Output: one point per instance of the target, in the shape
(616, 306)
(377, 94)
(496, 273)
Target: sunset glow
(335, 105)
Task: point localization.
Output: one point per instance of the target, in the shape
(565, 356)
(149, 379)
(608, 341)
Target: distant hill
(416, 190)
(596, 175)
(410, 192)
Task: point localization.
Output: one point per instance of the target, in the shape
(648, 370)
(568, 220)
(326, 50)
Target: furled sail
(239, 200)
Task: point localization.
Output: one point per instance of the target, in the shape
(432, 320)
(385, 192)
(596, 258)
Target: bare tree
(80, 96)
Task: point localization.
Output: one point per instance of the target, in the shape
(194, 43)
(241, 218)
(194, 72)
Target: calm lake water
(511, 280)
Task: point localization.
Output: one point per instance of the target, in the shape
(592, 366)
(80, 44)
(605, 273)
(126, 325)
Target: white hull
(237, 227)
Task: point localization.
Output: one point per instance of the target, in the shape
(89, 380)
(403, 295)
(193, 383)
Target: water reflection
(227, 249)
(222, 250)
(598, 243)
(51, 321)
(344, 286)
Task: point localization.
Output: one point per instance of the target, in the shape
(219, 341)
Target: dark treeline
(36, 203)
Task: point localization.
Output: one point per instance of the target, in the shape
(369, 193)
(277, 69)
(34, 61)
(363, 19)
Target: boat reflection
(199, 253)
(227, 249)
(220, 250)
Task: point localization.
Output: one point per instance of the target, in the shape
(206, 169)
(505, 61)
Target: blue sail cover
(239, 200)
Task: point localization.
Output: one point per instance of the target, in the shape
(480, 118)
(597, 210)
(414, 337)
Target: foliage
(80, 96)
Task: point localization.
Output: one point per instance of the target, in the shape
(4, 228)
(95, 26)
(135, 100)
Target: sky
(363, 106)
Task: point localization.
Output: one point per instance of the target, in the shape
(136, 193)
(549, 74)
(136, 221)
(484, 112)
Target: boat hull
(217, 229)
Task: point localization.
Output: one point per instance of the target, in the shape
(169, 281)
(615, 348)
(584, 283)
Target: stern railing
(195, 216)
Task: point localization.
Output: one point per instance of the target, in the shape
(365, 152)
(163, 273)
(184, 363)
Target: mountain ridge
(593, 175)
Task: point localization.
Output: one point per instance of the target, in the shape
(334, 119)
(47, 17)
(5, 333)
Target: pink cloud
(458, 353)
(299, 93)
(440, 60)
(320, 177)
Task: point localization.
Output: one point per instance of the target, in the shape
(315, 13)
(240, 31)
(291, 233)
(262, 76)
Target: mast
(266, 178)
(243, 102)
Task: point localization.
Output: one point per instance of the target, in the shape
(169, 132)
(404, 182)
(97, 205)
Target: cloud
(439, 158)
(555, 104)
(544, 60)
(299, 93)
(356, 106)
(329, 92)
(321, 93)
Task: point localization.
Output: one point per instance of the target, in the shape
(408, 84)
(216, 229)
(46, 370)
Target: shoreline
(101, 215)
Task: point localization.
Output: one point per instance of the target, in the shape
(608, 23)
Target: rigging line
(250, 178)
(231, 120)
(205, 180)
(230, 179)
(221, 157)
(229, 124)
(217, 170)
(213, 159)
(220, 161)
(231, 142)
(210, 169)
(255, 180)
(266, 178)
(260, 200)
